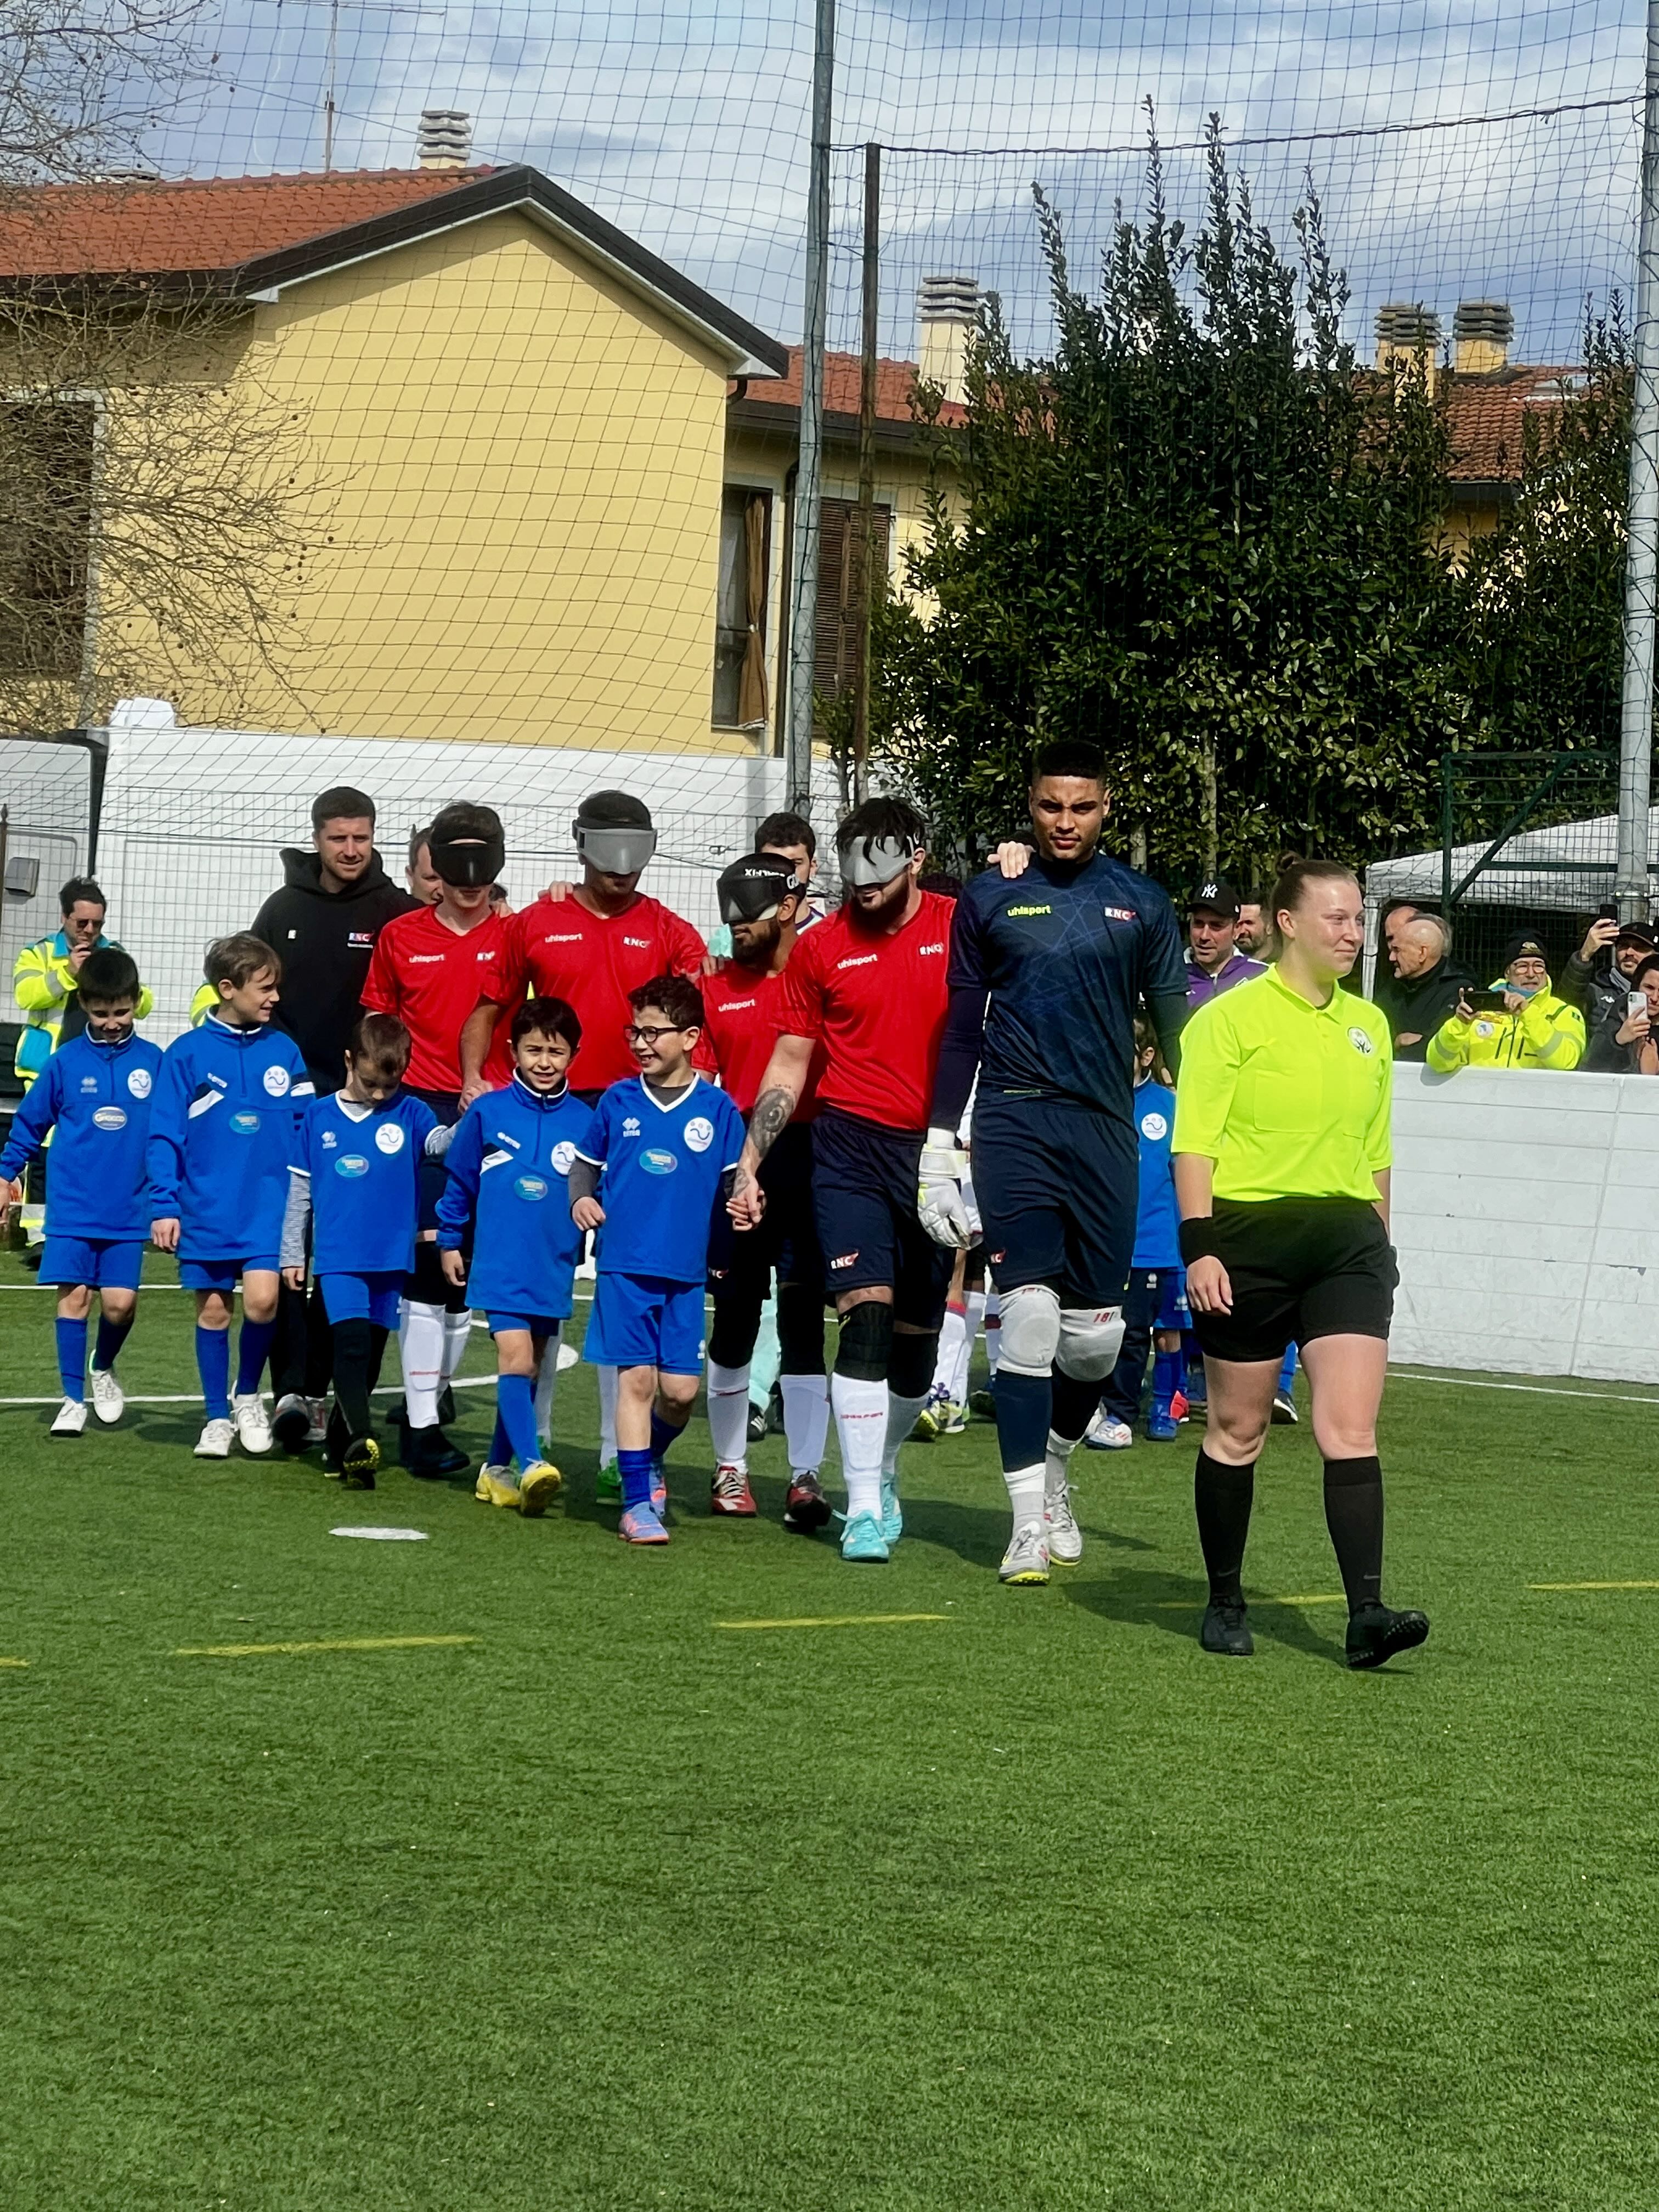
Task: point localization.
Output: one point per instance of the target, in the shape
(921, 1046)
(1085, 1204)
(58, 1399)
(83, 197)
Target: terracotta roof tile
(200, 226)
(1487, 416)
(895, 382)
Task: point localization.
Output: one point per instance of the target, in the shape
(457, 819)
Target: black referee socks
(1221, 1497)
(1353, 1513)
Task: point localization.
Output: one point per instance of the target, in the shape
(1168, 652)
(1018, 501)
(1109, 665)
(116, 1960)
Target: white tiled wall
(1526, 1215)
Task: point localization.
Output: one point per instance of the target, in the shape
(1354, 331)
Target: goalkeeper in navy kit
(1047, 971)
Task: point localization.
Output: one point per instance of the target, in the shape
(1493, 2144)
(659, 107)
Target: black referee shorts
(1301, 1268)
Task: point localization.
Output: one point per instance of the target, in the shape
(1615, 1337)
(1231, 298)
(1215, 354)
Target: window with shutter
(840, 629)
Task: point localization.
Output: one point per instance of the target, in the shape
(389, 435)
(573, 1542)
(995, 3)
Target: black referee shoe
(1376, 1632)
(1225, 1630)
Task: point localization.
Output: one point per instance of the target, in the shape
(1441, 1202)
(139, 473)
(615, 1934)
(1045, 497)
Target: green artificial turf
(1029, 1906)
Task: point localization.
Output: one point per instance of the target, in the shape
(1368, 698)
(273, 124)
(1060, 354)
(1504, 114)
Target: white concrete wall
(1526, 1215)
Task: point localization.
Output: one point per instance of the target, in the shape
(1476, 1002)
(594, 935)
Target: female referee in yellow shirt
(1281, 1166)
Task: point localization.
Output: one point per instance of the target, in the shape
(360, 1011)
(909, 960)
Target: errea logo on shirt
(631, 1127)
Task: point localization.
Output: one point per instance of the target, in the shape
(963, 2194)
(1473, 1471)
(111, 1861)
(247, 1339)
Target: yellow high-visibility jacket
(42, 982)
(1546, 1033)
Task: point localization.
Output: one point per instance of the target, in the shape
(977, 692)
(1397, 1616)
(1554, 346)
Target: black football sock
(1221, 1497)
(1353, 1513)
(353, 1349)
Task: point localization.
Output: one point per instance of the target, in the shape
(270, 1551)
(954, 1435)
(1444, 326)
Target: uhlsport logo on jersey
(276, 1082)
(532, 1188)
(109, 1117)
(351, 1165)
(700, 1133)
(1026, 912)
(1361, 1040)
(244, 1123)
(389, 1137)
(564, 1157)
(138, 1083)
(655, 1161)
(1154, 1127)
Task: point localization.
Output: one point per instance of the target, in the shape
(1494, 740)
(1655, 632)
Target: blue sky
(686, 124)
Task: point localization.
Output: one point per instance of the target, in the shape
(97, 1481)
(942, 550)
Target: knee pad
(910, 1365)
(1090, 1338)
(735, 1327)
(1030, 1329)
(800, 1329)
(866, 1342)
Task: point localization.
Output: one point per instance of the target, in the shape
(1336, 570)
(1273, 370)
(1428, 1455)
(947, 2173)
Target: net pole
(867, 575)
(1642, 535)
(809, 479)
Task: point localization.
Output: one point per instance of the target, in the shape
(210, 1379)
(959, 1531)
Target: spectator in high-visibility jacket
(45, 978)
(1535, 1028)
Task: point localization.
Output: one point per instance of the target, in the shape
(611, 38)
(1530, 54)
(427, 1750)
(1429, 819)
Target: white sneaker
(249, 1419)
(317, 1409)
(214, 1442)
(1062, 1534)
(108, 1398)
(1026, 1559)
(71, 1418)
(1104, 1434)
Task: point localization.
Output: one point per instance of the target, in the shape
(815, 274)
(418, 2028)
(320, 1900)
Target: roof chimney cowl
(446, 140)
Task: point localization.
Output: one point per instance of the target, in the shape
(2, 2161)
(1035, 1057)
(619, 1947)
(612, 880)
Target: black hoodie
(326, 939)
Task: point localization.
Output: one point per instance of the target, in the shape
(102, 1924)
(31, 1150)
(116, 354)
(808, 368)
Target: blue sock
(515, 1410)
(500, 1444)
(1166, 1376)
(1025, 1406)
(663, 1434)
(252, 1348)
(635, 1468)
(213, 1365)
(111, 1335)
(72, 1357)
(1287, 1372)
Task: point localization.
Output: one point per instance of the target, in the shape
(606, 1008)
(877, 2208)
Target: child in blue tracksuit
(509, 1166)
(356, 1177)
(1155, 1303)
(95, 1093)
(667, 1144)
(222, 1135)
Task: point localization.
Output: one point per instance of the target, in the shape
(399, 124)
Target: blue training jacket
(1158, 1237)
(98, 1097)
(222, 1137)
(509, 1163)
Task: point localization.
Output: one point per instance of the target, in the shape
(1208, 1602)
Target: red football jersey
(431, 978)
(556, 949)
(746, 1019)
(879, 1005)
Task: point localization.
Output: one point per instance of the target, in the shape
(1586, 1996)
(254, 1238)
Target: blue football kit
(222, 1138)
(357, 1167)
(1157, 1220)
(94, 1101)
(664, 1165)
(509, 1164)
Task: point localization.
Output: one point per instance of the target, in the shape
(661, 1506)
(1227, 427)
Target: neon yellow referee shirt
(1289, 1100)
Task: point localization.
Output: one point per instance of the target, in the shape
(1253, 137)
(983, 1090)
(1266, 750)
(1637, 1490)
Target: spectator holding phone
(1627, 1042)
(1518, 1023)
(1601, 975)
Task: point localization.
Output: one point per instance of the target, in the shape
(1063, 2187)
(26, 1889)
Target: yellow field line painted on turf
(14, 1662)
(837, 1620)
(1591, 1586)
(334, 1643)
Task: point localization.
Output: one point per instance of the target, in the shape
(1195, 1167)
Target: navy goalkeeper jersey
(1067, 955)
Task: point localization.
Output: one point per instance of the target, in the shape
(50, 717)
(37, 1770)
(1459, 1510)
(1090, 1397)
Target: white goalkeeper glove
(940, 1206)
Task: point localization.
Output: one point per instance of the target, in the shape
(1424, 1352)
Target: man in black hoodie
(334, 902)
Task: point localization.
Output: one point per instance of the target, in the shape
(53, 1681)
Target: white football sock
(420, 1349)
(953, 1334)
(861, 1411)
(1053, 1465)
(976, 1316)
(458, 1328)
(1026, 1494)
(805, 1420)
(607, 1415)
(728, 1414)
(544, 1382)
(901, 1419)
(993, 1331)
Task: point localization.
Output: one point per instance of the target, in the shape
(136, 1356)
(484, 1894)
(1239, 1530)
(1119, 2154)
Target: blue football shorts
(106, 1263)
(645, 1321)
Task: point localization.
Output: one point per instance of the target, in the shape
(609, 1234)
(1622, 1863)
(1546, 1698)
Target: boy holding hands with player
(665, 1143)
(508, 1166)
(94, 1092)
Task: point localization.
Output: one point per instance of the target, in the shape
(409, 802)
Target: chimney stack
(445, 140)
(1407, 332)
(1483, 329)
(946, 307)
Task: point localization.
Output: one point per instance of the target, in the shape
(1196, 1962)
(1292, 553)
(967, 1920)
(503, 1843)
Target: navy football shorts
(865, 1179)
(1057, 1183)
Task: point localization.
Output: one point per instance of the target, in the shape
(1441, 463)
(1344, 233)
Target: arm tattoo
(770, 1118)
